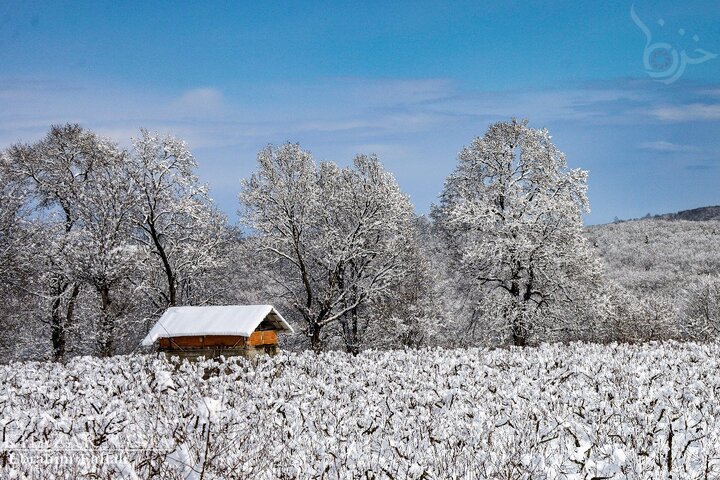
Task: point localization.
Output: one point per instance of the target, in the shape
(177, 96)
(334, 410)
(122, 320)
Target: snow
(553, 412)
(214, 320)
(207, 410)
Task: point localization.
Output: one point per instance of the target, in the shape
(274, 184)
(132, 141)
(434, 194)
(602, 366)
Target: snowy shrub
(702, 307)
(551, 412)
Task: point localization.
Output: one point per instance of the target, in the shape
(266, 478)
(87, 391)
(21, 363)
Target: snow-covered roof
(239, 320)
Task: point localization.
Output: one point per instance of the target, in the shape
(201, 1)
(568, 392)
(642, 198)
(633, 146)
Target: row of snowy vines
(556, 411)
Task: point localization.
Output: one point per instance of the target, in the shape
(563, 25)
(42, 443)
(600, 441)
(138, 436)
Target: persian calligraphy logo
(664, 62)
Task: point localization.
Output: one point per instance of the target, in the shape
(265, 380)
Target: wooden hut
(218, 330)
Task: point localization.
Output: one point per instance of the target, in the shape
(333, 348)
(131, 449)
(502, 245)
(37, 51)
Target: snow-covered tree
(621, 315)
(55, 173)
(100, 227)
(702, 309)
(658, 256)
(512, 216)
(414, 315)
(674, 261)
(336, 237)
(83, 208)
(12, 200)
(181, 229)
(104, 256)
(369, 225)
(15, 268)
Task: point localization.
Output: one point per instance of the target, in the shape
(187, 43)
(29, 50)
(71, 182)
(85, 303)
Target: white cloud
(206, 100)
(687, 113)
(668, 147)
(337, 111)
(415, 125)
(383, 92)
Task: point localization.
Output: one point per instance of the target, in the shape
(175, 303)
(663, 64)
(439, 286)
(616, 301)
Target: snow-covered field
(577, 411)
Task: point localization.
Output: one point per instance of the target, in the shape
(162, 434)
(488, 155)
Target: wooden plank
(224, 341)
(202, 341)
(267, 337)
(258, 338)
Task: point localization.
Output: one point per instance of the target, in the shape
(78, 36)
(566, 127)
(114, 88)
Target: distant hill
(701, 214)
(661, 254)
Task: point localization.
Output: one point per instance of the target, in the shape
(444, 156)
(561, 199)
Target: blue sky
(412, 82)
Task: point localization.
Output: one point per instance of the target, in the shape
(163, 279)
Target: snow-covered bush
(702, 307)
(573, 411)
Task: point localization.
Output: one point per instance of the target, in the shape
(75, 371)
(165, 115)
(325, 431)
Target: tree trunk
(354, 348)
(167, 268)
(57, 331)
(519, 332)
(106, 323)
(518, 335)
(70, 310)
(59, 322)
(315, 341)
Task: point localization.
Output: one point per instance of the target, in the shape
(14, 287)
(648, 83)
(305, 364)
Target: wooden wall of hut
(208, 346)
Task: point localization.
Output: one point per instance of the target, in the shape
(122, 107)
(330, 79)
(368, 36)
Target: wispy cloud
(199, 101)
(361, 110)
(663, 146)
(393, 91)
(416, 125)
(687, 113)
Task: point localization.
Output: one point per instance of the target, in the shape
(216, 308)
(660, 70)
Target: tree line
(96, 241)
